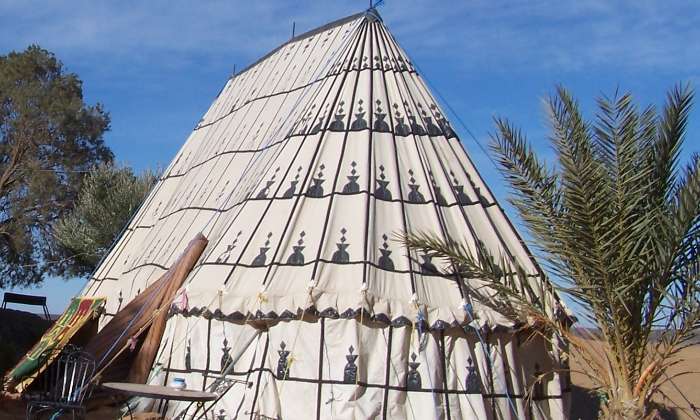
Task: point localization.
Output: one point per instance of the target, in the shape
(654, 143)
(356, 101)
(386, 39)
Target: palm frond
(617, 224)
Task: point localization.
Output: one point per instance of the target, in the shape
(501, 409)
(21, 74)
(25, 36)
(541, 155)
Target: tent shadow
(585, 406)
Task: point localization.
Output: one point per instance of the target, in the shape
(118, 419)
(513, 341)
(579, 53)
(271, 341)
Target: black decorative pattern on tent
(268, 184)
(433, 130)
(401, 129)
(156, 211)
(414, 196)
(416, 128)
(319, 123)
(226, 359)
(350, 371)
(385, 262)
(360, 123)
(427, 266)
(316, 189)
(472, 384)
(439, 198)
(341, 255)
(382, 193)
(224, 257)
(307, 120)
(349, 313)
(222, 193)
(379, 193)
(293, 187)
(283, 362)
(188, 355)
(462, 198)
(297, 258)
(260, 259)
(380, 125)
(338, 124)
(352, 186)
(448, 132)
(120, 299)
(413, 379)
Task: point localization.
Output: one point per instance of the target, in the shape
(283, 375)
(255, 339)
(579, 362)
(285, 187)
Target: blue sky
(157, 65)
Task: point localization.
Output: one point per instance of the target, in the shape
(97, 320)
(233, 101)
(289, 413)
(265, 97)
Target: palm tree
(616, 222)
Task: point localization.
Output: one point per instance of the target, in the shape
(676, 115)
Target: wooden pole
(147, 354)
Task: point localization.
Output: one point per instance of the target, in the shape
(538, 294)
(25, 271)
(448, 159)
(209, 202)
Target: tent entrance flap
(143, 319)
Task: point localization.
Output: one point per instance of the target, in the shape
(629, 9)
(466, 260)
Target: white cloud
(550, 34)
(539, 34)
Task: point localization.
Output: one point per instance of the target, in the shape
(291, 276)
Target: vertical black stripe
(445, 173)
(203, 143)
(443, 366)
(398, 174)
(254, 403)
(387, 375)
(207, 365)
(351, 107)
(274, 118)
(204, 382)
(185, 186)
(312, 167)
(270, 163)
(120, 244)
(289, 168)
(370, 166)
(167, 375)
(424, 166)
(320, 368)
(489, 370)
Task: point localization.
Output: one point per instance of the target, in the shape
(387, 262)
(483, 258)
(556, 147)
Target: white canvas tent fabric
(299, 174)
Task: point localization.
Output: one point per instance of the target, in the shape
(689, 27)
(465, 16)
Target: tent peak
(373, 15)
(370, 14)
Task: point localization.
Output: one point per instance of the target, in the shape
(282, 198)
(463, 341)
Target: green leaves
(617, 224)
(48, 138)
(108, 198)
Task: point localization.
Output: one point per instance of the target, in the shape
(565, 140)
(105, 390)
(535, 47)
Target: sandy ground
(682, 395)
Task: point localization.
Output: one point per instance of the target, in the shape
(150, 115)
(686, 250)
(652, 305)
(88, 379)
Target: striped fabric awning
(79, 311)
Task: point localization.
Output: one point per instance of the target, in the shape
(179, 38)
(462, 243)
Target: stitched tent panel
(79, 311)
(299, 174)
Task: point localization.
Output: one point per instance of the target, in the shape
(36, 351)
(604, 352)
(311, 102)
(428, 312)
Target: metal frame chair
(67, 385)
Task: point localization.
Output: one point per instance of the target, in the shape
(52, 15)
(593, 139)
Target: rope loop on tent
(419, 326)
(220, 293)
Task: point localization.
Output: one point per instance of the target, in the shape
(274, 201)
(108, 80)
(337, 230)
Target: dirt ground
(682, 395)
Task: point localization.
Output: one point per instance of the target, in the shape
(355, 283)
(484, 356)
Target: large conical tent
(303, 304)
